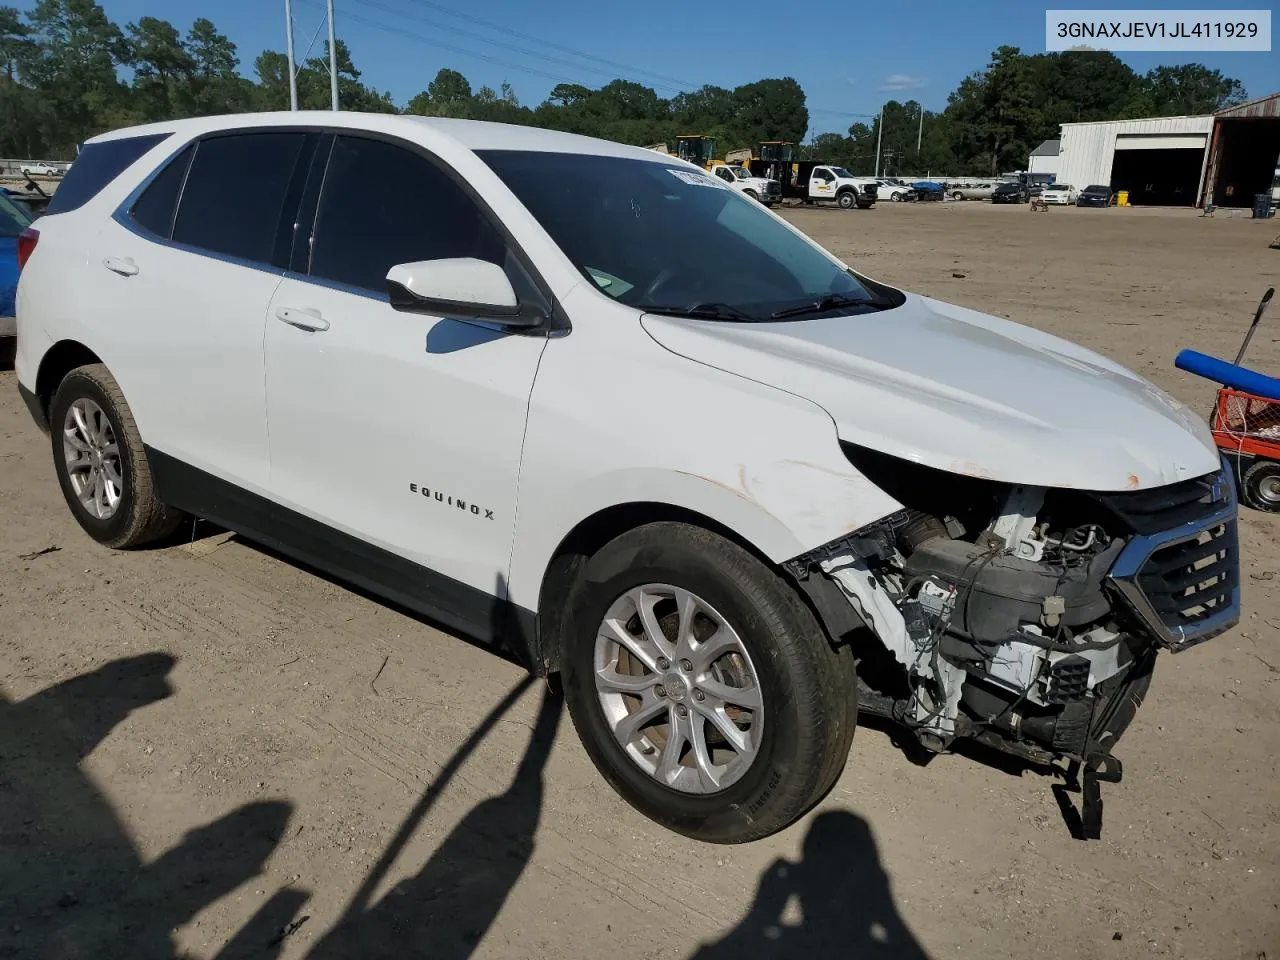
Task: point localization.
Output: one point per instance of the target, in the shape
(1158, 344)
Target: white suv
(584, 401)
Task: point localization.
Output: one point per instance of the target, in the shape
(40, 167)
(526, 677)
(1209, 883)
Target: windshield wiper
(711, 311)
(831, 301)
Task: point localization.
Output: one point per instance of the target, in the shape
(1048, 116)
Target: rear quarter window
(96, 166)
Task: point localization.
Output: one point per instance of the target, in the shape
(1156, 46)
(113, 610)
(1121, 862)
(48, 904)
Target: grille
(1188, 582)
(1181, 572)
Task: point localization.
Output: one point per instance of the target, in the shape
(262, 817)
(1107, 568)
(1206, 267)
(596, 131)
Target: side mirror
(463, 288)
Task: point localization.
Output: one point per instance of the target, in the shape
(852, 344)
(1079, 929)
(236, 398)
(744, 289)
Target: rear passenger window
(383, 205)
(235, 192)
(96, 166)
(155, 208)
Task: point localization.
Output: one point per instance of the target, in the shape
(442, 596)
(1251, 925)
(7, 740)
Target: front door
(401, 429)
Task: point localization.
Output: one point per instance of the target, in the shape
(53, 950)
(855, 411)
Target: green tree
(448, 95)
(770, 110)
(15, 40)
(216, 85)
(1190, 89)
(162, 70)
(72, 66)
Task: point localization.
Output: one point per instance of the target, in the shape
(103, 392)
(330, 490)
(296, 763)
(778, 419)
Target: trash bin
(1261, 206)
(1122, 198)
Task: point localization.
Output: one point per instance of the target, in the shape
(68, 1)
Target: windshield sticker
(694, 179)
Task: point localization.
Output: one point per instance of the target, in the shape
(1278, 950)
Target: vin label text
(1239, 31)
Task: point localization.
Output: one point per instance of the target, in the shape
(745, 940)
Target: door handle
(304, 318)
(121, 265)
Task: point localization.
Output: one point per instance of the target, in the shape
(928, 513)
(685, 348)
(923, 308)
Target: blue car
(13, 220)
(927, 190)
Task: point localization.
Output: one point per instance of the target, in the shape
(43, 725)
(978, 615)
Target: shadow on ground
(72, 883)
(833, 904)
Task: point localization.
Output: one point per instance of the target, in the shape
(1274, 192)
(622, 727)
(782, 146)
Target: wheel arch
(59, 360)
(586, 538)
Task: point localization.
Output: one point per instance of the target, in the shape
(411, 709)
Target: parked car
(927, 190)
(1096, 195)
(1060, 193)
(365, 381)
(40, 170)
(1010, 192)
(13, 221)
(973, 191)
(891, 188)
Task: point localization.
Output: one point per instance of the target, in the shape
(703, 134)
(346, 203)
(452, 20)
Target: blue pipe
(1228, 374)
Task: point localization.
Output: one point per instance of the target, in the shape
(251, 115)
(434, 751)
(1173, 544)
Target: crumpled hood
(964, 392)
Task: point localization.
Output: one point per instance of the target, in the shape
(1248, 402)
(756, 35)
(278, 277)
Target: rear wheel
(702, 687)
(1261, 484)
(957, 195)
(101, 464)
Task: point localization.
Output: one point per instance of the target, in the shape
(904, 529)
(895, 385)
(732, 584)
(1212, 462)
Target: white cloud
(897, 82)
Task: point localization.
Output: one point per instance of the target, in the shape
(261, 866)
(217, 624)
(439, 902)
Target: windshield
(1097, 189)
(653, 236)
(841, 172)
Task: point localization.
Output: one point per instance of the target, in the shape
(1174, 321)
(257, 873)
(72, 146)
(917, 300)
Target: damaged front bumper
(1005, 635)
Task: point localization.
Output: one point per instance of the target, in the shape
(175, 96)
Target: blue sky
(918, 51)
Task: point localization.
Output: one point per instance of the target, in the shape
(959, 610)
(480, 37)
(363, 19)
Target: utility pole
(293, 75)
(879, 137)
(333, 63)
(920, 135)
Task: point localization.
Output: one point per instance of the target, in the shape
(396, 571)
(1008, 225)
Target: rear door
(191, 264)
(401, 429)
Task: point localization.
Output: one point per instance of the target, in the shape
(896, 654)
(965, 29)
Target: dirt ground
(201, 745)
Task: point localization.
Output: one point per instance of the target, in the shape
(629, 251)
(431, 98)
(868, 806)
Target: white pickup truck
(825, 182)
(744, 181)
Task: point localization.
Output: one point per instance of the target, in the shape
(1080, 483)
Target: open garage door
(1246, 157)
(1161, 176)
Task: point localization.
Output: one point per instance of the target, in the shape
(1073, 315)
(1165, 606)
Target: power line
(431, 41)
(558, 78)
(523, 51)
(502, 28)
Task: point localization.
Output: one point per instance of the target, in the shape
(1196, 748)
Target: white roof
(469, 134)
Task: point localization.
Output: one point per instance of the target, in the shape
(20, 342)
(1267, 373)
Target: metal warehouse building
(1225, 158)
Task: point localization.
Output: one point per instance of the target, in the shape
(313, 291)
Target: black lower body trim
(457, 606)
(35, 406)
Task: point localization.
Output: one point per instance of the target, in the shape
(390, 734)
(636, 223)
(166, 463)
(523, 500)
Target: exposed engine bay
(1027, 618)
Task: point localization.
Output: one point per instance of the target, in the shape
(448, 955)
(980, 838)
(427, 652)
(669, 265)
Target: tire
(753, 195)
(137, 517)
(807, 688)
(957, 195)
(896, 197)
(1261, 486)
(846, 200)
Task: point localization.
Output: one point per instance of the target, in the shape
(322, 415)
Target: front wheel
(702, 687)
(896, 197)
(751, 194)
(846, 200)
(1261, 483)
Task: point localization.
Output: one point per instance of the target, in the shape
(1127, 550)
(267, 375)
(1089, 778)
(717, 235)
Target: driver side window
(724, 174)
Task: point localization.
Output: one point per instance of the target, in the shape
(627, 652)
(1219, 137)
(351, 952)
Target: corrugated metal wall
(1089, 148)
